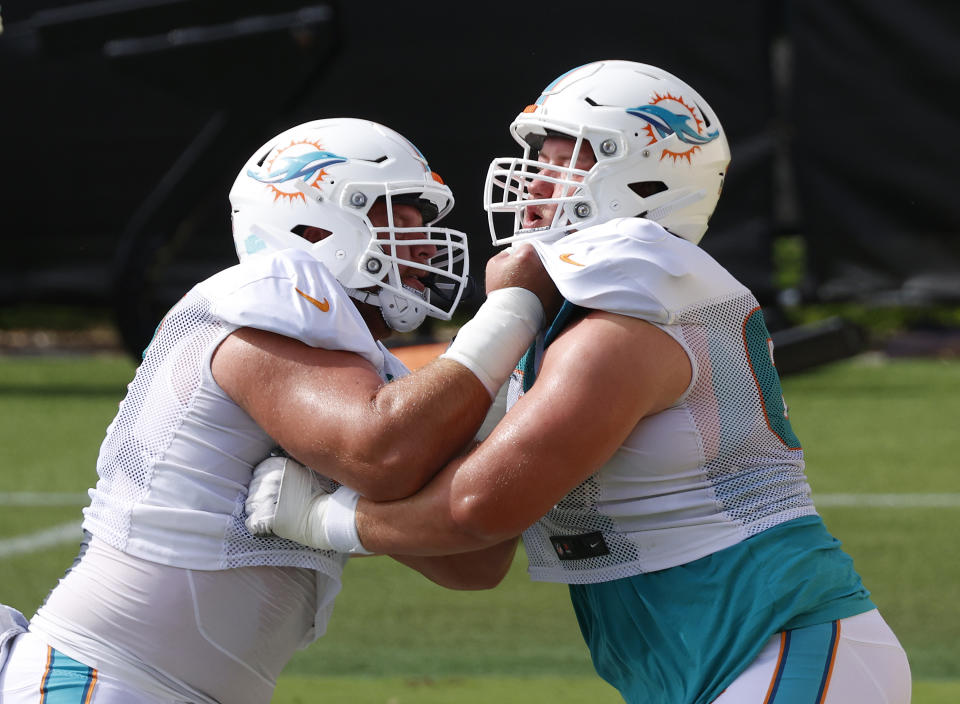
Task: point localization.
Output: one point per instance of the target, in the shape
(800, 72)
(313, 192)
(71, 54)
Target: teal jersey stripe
(67, 681)
(757, 340)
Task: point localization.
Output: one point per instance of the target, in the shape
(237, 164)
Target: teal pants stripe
(805, 664)
(66, 681)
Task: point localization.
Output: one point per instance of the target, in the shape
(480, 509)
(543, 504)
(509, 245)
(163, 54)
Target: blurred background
(124, 122)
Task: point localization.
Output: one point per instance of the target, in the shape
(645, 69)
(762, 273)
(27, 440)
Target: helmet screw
(582, 210)
(341, 254)
(614, 205)
(646, 153)
(608, 147)
(358, 199)
(373, 265)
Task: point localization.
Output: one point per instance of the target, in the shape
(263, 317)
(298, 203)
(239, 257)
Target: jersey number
(759, 349)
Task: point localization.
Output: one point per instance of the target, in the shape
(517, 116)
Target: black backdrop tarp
(875, 112)
(118, 165)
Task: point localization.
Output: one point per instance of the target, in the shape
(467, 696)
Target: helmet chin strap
(681, 202)
(401, 313)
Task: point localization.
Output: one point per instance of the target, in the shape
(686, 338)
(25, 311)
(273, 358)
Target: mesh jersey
(720, 465)
(178, 457)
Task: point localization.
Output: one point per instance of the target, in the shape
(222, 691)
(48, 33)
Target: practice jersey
(720, 465)
(177, 459)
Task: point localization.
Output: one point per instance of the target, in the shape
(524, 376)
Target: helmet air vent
(645, 189)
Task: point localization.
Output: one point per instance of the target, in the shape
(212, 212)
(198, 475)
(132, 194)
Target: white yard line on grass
(70, 532)
(46, 538)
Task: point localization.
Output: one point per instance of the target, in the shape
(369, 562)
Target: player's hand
(520, 265)
(287, 500)
(261, 503)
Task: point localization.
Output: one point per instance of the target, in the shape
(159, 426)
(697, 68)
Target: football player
(647, 455)
(172, 599)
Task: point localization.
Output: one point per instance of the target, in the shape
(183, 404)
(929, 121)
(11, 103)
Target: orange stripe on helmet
(436, 177)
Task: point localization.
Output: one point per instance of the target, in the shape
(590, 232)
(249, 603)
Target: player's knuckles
(523, 252)
(506, 269)
(266, 480)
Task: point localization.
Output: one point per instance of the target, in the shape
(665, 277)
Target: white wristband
(494, 340)
(340, 522)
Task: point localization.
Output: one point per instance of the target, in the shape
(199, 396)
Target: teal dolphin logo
(254, 244)
(667, 122)
(299, 166)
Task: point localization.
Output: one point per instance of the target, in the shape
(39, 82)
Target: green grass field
(879, 437)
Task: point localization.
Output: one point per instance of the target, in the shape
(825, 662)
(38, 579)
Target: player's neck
(374, 319)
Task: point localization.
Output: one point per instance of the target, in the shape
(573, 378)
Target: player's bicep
(598, 380)
(602, 376)
(304, 397)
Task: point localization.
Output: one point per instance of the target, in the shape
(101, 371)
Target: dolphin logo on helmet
(667, 122)
(298, 166)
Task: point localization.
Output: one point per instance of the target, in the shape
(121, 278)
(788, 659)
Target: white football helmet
(328, 174)
(660, 151)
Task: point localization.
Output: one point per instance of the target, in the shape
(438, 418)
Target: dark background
(124, 123)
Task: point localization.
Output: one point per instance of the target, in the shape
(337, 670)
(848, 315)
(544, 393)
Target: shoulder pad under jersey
(634, 267)
(292, 294)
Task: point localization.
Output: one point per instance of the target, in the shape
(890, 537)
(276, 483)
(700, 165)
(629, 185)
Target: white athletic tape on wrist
(340, 522)
(299, 505)
(494, 340)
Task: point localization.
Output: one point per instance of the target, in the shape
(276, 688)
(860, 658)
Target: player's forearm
(445, 517)
(480, 569)
(415, 528)
(284, 499)
(415, 426)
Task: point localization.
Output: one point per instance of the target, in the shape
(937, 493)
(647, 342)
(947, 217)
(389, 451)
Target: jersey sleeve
(292, 294)
(636, 268)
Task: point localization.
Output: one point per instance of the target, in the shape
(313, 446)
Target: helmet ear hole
(311, 234)
(645, 189)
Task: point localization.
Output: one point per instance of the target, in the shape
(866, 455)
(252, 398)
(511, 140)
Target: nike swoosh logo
(323, 305)
(566, 258)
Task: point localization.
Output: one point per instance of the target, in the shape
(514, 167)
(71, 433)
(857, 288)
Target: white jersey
(720, 465)
(174, 595)
(177, 460)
